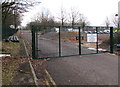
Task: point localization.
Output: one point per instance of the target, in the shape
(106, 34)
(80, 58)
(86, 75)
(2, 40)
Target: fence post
(97, 40)
(111, 40)
(59, 42)
(79, 41)
(33, 43)
(36, 44)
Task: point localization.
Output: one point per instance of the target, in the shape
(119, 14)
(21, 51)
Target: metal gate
(65, 41)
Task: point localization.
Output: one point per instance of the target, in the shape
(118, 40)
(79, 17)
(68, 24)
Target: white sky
(96, 11)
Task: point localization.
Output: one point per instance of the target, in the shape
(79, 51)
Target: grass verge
(10, 64)
(14, 48)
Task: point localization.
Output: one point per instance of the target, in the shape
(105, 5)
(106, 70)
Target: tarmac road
(50, 48)
(100, 69)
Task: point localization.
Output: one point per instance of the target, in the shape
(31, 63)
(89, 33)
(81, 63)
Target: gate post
(111, 40)
(59, 42)
(36, 44)
(97, 40)
(33, 43)
(79, 41)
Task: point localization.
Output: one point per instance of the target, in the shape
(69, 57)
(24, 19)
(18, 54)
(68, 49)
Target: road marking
(32, 69)
(112, 54)
(100, 49)
(50, 78)
(47, 83)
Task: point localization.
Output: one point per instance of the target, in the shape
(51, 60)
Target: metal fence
(64, 41)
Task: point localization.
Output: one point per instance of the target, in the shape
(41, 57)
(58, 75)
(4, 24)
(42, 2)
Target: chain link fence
(63, 41)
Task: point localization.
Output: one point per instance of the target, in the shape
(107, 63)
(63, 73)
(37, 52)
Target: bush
(106, 43)
(7, 31)
(117, 38)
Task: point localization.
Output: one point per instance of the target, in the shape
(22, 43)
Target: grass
(14, 48)
(8, 70)
(9, 65)
(22, 51)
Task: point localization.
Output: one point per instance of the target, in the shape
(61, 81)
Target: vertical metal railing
(33, 43)
(111, 40)
(97, 40)
(59, 41)
(79, 40)
(36, 43)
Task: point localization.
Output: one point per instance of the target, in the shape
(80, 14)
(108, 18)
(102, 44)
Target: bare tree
(15, 7)
(115, 20)
(74, 16)
(83, 21)
(44, 18)
(63, 16)
(11, 13)
(107, 22)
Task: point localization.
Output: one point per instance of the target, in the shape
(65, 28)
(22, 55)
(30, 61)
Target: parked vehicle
(85, 31)
(89, 32)
(100, 32)
(106, 31)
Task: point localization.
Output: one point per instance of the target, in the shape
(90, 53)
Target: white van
(106, 31)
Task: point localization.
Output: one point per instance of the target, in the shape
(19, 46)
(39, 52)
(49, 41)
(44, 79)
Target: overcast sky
(96, 11)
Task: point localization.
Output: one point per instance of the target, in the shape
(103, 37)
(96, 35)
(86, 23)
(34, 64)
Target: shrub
(117, 38)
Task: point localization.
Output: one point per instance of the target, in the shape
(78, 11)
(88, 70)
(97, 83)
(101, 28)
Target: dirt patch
(17, 71)
(91, 45)
(23, 76)
(9, 68)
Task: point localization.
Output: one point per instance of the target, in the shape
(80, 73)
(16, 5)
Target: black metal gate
(65, 41)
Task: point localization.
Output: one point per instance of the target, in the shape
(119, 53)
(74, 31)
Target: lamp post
(118, 15)
(117, 21)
